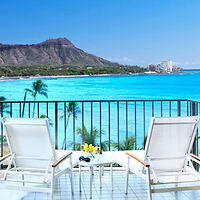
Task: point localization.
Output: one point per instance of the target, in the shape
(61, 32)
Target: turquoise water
(184, 85)
(161, 86)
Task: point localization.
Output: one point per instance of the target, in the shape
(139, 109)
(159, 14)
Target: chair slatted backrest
(169, 140)
(30, 141)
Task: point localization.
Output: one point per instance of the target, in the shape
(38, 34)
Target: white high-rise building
(167, 65)
(162, 67)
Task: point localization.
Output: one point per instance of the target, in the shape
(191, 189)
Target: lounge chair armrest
(55, 164)
(137, 159)
(5, 157)
(194, 158)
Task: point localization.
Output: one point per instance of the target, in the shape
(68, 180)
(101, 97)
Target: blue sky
(126, 31)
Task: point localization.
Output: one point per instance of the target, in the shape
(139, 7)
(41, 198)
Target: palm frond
(124, 143)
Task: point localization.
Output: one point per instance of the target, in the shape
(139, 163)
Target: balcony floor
(137, 189)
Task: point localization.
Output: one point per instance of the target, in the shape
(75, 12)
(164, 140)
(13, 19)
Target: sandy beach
(62, 76)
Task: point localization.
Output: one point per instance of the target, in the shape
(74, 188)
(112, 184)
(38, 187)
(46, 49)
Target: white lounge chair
(167, 159)
(33, 161)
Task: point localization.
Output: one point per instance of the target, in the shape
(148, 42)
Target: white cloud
(130, 61)
(127, 61)
(121, 60)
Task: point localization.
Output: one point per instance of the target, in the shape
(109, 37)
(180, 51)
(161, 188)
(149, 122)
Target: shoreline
(74, 76)
(61, 76)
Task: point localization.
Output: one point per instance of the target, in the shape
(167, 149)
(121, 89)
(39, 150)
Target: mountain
(58, 51)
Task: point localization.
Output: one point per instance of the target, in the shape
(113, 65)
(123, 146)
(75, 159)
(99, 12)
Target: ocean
(185, 85)
(142, 86)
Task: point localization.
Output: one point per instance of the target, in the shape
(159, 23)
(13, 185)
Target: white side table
(100, 161)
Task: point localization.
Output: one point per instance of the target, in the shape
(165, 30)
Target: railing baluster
(197, 138)
(135, 126)
(109, 125)
(187, 109)
(29, 110)
(56, 125)
(38, 109)
(170, 108)
(74, 127)
(144, 121)
(178, 108)
(91, 124)
(20, 109)
(118, 124)
(126, 125)
(65, 127)
(47, 109)
(83, 140)
(1, 106)
(10, 109)
(100, 122)
(161, 108)
(152, 108)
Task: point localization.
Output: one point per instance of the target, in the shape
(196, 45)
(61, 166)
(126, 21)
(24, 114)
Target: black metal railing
(109, 122)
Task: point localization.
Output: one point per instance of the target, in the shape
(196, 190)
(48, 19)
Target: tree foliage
(64, 70)
(123, 144)
(90, 138)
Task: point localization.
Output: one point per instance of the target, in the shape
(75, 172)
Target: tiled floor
(137, 189)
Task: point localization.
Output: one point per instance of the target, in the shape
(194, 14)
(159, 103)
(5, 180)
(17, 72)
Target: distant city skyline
(128, 32)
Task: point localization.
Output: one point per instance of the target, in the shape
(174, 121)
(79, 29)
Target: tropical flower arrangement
(91, 150)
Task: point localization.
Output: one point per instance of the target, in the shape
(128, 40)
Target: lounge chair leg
(100, 178)
(176, 185)
(111, 173)
(23, 180)
(149, 184)
(127, 174)
(102, 171)
(71, 181)
(70, 175)
(52, 183)
(79, 178)
(90, 182)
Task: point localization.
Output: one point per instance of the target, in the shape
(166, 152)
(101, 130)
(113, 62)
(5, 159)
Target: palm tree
(3, 106)
(123, 145)
(3, 109)
(72, 109)
(87, 138)
(143, 144)
(45, 116)
(38, 87)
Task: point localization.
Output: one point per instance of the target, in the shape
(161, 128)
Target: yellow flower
(86, 151)
(86, 145)
(90, 148)
(95, 150)
(85, 148)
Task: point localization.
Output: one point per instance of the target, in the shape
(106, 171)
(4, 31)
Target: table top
(99, 160)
